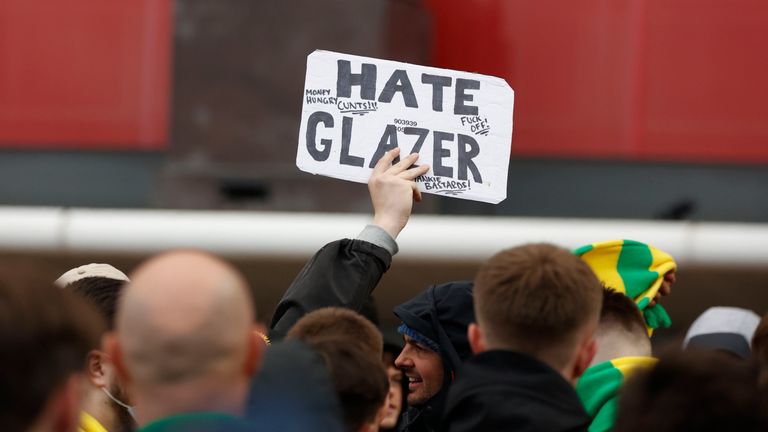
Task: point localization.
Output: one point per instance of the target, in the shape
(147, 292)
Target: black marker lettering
(438, 83)
(327, 120)
(346, 138)
(399, 82)
(438, 153)
(462, 85)
(387, 142)
(466, 156)
(366, 79)
(422, 135)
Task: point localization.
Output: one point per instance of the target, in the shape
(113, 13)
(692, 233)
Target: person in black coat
(294, 389)
(434, 326)
(537, 308)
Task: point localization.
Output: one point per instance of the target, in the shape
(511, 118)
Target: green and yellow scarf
(635, 269)
(599, 386)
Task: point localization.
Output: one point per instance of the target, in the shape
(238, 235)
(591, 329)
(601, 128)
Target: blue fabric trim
(418, 337)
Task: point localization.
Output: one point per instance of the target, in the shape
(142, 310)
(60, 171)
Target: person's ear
(95, 368)
(257, 344)
(584, 357)
(476, 338)
(115, 352)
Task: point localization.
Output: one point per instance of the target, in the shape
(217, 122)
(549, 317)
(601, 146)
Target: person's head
(100, 285)
(434, 327)
(726, 329)
(46, 334)
(185, 336)
(760, 350)
(359, 379)
(541, 300)
(621, 331)
(338, 322)
(394, 404)
(695, 390)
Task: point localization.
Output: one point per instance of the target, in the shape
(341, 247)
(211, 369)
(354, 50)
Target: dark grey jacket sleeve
(343, 273)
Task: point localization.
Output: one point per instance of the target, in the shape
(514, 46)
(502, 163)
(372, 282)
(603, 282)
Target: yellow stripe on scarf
(635, 269)
(604, 259)
(629, 365)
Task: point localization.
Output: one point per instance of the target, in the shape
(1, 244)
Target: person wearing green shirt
(623, 348)
(636, 275)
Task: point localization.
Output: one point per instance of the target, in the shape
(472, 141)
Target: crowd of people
(543, 339)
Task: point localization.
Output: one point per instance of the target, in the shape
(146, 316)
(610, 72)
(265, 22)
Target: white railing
(298, 235)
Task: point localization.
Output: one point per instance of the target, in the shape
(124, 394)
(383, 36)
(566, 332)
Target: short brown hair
(621, 311)
(359, 378)
(535, 296)
(46, 334)
(340, 323)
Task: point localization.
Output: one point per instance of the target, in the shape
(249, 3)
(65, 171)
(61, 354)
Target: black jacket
(294, 391)
(343, 273)
(508, 391)
(442, 313)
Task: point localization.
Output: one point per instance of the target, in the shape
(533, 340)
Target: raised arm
(344, 272)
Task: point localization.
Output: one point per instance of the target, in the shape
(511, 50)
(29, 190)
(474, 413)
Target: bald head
(185, 316)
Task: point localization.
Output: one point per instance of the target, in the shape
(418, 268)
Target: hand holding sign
(357, 108)
(393, 191)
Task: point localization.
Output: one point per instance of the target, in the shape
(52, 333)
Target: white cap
(91, 270)
(725, 328)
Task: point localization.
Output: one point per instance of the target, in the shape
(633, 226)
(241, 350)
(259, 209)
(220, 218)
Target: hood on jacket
(441, 314)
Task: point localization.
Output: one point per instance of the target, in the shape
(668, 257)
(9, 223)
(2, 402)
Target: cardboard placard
(357, 108)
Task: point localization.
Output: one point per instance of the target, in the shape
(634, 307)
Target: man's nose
(403, 361)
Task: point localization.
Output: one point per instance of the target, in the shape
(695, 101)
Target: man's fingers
(666, 289)
(404, 163)
(670, 277)
(386, 161)
(666, 284)
(414, 172)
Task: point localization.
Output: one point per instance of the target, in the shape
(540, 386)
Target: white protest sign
(357, 108)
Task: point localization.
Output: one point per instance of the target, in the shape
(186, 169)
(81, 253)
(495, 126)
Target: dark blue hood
(442, 313)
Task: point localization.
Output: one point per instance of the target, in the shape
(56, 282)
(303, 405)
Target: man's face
(424, 369)
(394, 398)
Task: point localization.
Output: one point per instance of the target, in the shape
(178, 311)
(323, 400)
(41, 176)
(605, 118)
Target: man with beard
(105, 406)
(434, 326)
(344, 273)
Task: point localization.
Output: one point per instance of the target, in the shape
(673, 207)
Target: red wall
(85, 73)
(683, 80)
